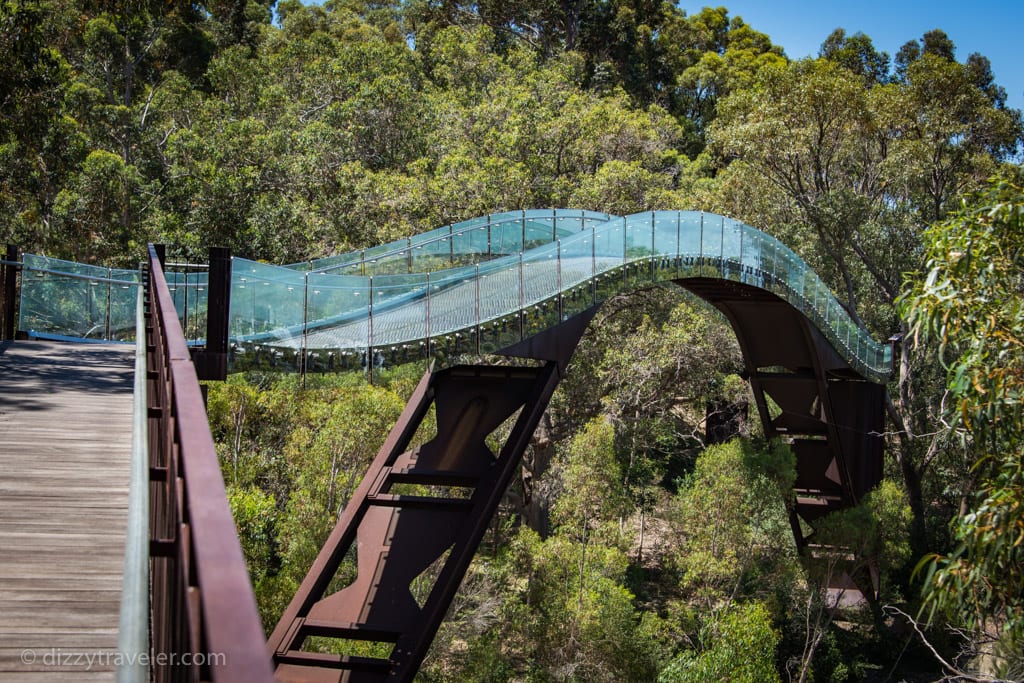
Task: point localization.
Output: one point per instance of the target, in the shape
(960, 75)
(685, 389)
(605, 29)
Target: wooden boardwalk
(65, 445)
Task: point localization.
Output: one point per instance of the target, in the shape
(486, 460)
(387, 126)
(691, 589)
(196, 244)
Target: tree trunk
(536, 503)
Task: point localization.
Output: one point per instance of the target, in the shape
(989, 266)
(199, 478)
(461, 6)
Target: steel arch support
(401, 539)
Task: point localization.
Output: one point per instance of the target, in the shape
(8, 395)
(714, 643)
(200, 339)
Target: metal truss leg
(415, 521)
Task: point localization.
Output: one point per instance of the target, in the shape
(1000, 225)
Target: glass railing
(495, 301)
(490, 298)
(463, 243)
(64, 299)
(68, 300)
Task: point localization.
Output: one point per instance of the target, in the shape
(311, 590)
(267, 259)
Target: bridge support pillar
(410, 531)
(212, 361)
(407, 537)
(10, 291)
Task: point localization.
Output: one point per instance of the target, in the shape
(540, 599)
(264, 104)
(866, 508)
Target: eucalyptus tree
(39, 144)
(857, 168)
(969, 301)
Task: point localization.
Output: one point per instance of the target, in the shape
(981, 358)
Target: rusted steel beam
(212, 361)
(205, 622)
(832, 418)
(401, 540)
(426, 538)
(10, 291)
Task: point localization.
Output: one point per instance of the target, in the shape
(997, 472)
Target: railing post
(558, 266)
(10, 293)
(426, 338)
(369, 331)
(476, 283)
(305, 325)
(106, 320)
(522, 322)
(212, 362)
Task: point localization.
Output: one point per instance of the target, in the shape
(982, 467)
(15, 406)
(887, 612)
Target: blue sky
(995, 28)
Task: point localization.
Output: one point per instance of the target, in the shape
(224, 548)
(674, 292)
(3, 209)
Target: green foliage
(292, 459)
(579, 617)
(730, 521)
(875, 532)
(591, 482)
(351, 123)
(254, 514)
(970, 303)
(739, 646)
(857, 53)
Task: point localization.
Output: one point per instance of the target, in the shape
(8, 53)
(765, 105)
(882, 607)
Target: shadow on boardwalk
(31, 371)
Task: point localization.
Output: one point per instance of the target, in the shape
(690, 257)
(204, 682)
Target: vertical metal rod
(558, 265)
(10, 271)
(721, 249)
(305, 324)
(478, 330)
(369, 332)
(184, 315)
(593, 265)
(106, 322)
(700, 252)
(426, 338)
(521, 312)
(625, 260)
(654, 275)
(679, 244)
(741, 254)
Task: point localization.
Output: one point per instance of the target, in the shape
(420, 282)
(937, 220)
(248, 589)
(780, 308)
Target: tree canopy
(628, 550)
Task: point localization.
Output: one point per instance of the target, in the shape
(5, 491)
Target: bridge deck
(65, 443)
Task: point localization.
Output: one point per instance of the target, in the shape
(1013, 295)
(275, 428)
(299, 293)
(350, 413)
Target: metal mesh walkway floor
(65, 446)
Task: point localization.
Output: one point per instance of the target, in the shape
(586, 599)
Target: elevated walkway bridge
(522, 284)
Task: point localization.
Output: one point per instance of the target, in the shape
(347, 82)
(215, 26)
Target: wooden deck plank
(65, 446)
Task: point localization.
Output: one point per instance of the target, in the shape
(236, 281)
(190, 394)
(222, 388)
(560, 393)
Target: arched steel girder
(807, 394)
(412, 550)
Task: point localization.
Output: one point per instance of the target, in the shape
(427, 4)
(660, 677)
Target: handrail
(205, 622)
(77, 276)
(133, 628)
(439, 235)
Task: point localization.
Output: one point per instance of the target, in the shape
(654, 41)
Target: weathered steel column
(10, 292)
(416, 519)
(212, 362)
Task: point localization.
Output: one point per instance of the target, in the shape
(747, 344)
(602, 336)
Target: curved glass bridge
(522, 284)
(474, 287)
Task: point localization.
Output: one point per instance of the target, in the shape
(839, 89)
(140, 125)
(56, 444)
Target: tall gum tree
(857, 168)
(969, 301)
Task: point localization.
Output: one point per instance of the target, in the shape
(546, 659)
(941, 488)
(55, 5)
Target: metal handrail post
(10, 293)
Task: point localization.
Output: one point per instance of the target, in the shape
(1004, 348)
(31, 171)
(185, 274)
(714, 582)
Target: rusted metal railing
(205, 625)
